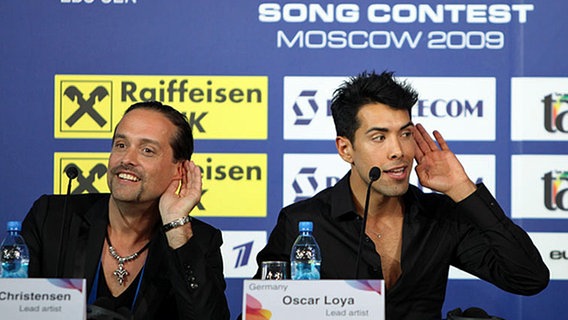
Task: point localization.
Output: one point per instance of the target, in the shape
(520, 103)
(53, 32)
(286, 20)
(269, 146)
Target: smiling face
(141, 164)
(383, 139)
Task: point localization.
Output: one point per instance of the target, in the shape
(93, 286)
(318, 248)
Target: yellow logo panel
(234, 185)
(92, 169)
(218, 107)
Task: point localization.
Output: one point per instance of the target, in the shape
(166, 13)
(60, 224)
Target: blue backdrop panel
(438, 39)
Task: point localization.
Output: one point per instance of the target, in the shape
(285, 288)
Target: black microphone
(374, 175)
(72, 172)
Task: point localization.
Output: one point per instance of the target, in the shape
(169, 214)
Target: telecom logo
(447, 104)
(452, 108)
(542, 105)
(305, 107)
(239, 251)
(305, 183)
(539, 185)
(307, 102)
(92, 169)
(307, 174)
(462, 109)
(84, 106)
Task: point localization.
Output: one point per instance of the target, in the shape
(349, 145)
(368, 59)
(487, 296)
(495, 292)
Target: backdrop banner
(255, 79)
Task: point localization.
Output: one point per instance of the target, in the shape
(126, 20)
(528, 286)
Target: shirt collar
(342, 200)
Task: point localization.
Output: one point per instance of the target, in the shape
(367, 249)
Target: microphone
(374, 175)
(72, 172)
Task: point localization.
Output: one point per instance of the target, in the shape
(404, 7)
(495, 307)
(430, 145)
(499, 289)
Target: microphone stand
(72, 172)
(374, 175)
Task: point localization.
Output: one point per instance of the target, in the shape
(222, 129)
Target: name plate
(313, 299)
(45, 299)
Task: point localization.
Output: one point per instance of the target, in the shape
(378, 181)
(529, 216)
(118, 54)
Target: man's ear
(180, 171)
(344, 148)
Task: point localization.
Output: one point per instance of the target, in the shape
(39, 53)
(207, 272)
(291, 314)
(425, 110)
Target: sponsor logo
(307, 114)
(234, 185)
(548, 177)
(461, 108)
(554, 251)
(307, 174)
(90, 106)
(84, 107)
(92, 168)
(542, 105)
(239, 251)
(555, 110)
(447, 104)
(555, 187)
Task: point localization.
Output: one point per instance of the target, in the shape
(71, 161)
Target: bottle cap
(13, 226)
(306, 226)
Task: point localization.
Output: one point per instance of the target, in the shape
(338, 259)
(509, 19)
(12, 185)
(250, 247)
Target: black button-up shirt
(473, 235)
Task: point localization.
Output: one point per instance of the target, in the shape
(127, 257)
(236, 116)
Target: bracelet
(176, 223)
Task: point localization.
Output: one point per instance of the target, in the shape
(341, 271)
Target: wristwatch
(176, 223)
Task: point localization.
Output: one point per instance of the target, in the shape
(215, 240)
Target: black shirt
(473, 235)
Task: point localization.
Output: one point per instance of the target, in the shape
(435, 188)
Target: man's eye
(148, 150)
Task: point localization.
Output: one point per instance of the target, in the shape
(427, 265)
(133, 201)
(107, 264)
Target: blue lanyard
(93, 294)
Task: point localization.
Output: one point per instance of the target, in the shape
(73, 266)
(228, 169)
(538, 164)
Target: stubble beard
(126, 195)
(394, 189)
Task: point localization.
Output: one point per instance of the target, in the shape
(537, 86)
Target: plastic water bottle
(305, 258)
(14, 253)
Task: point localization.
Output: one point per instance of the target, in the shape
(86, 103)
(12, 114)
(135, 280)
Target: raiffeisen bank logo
(539, 186)
(307, 174)
(542, 105)
(307, 114)
(461, 108)
(239, 251)
(90, 106)
(83, 107)
(234, 185)
(92, 168)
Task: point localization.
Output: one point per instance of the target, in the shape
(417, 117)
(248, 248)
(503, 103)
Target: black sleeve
(197, 276)
(495, 249)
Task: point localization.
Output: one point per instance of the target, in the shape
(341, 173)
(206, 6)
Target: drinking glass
(274, 270)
